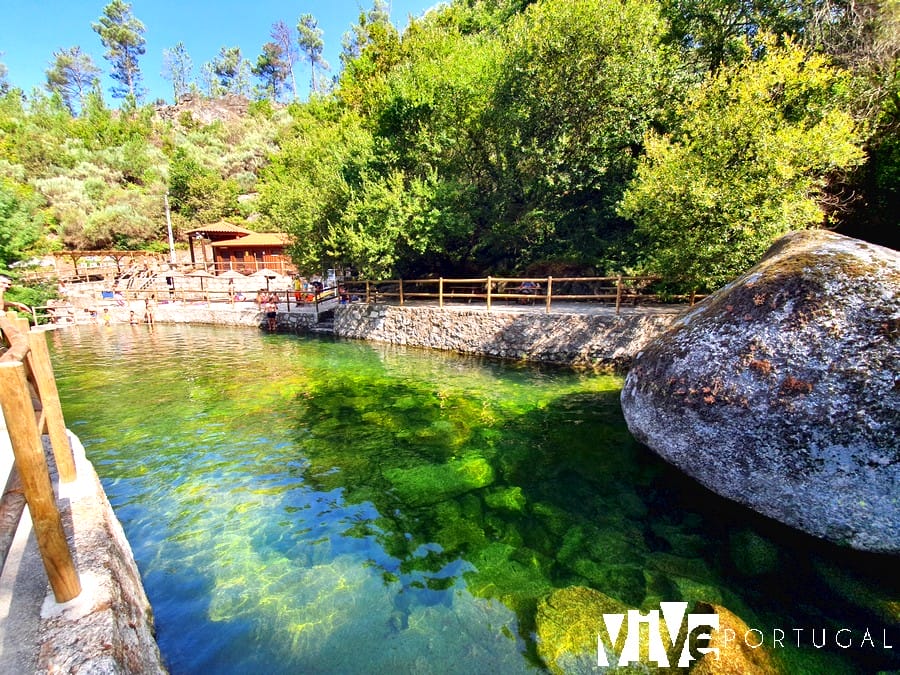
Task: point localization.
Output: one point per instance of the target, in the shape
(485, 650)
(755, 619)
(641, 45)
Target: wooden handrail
(490, 289)
(30, 404)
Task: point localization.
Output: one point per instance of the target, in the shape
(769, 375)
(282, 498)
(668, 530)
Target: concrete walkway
(23, 586)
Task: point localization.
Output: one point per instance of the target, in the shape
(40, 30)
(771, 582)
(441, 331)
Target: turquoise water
(300, 505)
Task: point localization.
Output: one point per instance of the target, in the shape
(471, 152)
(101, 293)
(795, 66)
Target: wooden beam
(32, 466)
(45, 383)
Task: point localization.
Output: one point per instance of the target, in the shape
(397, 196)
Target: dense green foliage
(746, 165)
(492, 136)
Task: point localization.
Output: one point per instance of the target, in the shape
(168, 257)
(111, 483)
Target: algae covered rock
(511, 499)
(736, 655)
(568, 622)
(781, 390)
(432, 483)
(514, 575)
(752, 554)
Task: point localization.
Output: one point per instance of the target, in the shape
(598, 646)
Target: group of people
(149, 316)
(268, 302)
(306, 291)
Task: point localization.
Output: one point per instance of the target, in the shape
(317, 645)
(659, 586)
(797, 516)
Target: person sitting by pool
(528, 288)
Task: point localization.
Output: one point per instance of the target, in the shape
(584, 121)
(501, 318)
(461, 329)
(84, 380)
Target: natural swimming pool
(301, 505)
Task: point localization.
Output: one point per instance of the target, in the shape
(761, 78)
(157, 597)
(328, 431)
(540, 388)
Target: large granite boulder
(782, 390)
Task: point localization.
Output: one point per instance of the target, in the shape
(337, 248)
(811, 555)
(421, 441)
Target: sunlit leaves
(20, 221)
(749, 160)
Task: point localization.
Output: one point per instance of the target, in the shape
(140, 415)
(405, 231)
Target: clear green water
(318, 506)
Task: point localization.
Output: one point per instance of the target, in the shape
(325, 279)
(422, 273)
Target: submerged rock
(782, 390)
(567, 622)
(432, 483)
(739, 649)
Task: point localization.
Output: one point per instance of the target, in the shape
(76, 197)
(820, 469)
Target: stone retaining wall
(595, 340)
(242, 314)
(598, 338)
(223, 314)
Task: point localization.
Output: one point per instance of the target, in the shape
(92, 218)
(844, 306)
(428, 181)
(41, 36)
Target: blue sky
(31, 30)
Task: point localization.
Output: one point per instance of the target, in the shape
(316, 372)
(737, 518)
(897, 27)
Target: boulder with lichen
(781, 391)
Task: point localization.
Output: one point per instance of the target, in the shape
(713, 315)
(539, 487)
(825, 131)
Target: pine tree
(123, 36)
(72, 75)
(311, 44)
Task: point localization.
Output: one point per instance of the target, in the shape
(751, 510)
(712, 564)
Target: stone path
(23, 586)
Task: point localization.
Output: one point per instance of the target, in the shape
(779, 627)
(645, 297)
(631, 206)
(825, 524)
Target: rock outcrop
(782, 390)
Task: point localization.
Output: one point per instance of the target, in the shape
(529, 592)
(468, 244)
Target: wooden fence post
(32, 467)
(441, 292)
(367, 292)
(549, 292)
(489, 284)
(45, 383)
(618, 292)
(401, 292)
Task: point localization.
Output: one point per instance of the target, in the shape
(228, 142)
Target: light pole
(169, 228)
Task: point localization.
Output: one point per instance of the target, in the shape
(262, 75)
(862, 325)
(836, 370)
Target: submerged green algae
(342, 507)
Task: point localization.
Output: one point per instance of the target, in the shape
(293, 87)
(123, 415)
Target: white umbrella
(203, 274)
(270, 275)
(231, 274)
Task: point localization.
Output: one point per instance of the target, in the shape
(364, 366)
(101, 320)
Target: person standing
(272, 312)
(150, 309)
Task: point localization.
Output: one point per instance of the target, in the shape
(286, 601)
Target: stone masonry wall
(595, 340)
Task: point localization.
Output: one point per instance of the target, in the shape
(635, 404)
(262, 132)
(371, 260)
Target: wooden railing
(31, 408)
(619, 290)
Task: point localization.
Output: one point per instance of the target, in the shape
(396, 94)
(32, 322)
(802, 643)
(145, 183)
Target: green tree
(123, 36)
(310, 40)
(72, 75)
(4, 72)
(197, 193)
(273, 69)
(21, 222)
(752, 154)
(370, 50)
(177, 68)
(864, 37)
(365, 31)
(232, 71)
(714, 33)
(583, 82)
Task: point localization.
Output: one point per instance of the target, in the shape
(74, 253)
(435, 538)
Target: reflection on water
(341, 507)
